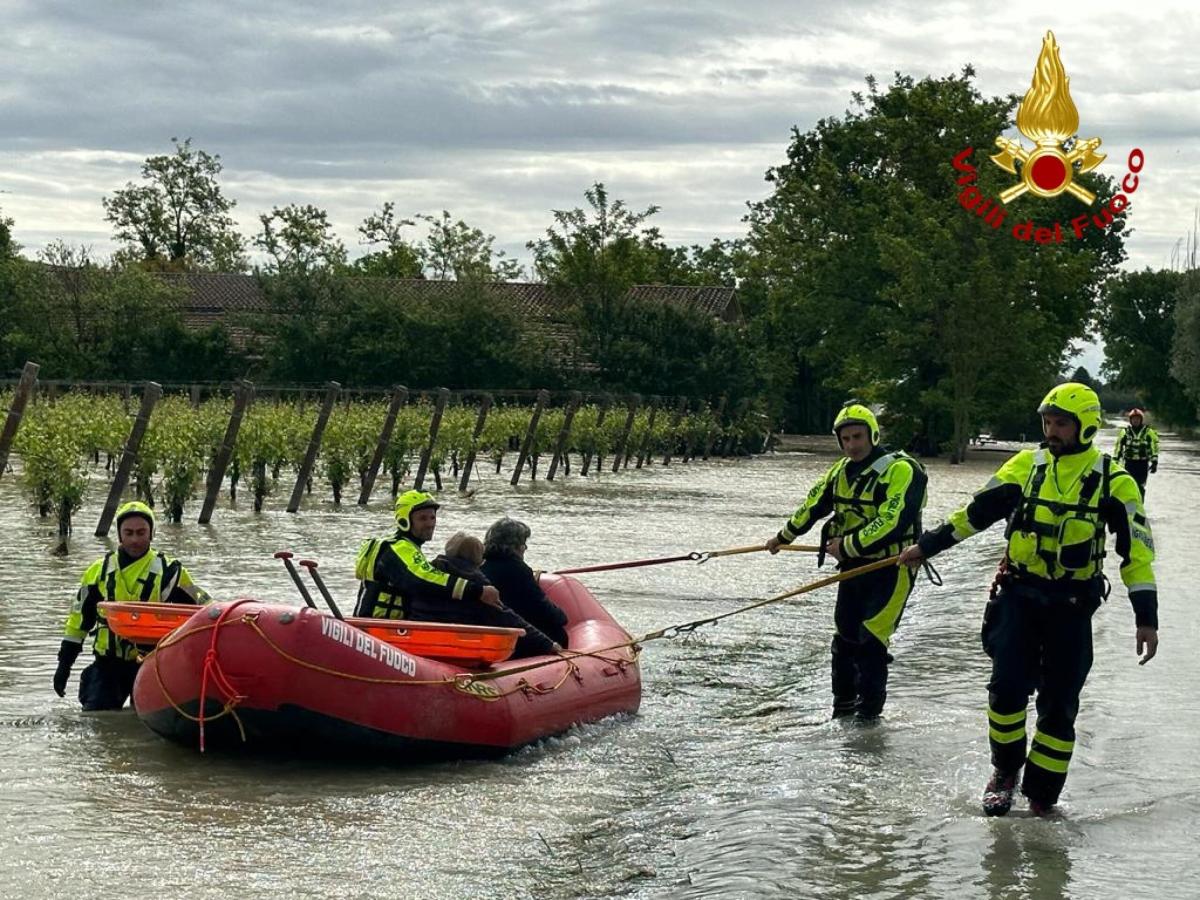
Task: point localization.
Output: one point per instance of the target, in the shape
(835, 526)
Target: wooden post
(12, 423)
(242, 396)
(485, 404)
(314, 445)
(644, 453)
(731, 441)
(561, 447)
(399, 398)
(435, 424)
(195, 395)
(676, 418)
(717, 413)
(619, 451)
(602, 411)
(543, 397)
(150, 397)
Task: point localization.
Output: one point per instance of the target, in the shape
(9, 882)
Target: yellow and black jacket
(152, 578)
(1058, 508)
(875, 503)
(393, 571)
(1136, 443)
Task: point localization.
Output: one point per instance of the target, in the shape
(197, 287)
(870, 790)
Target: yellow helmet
(409, 502)
(1076, 401)
(135, 508)
(854, 413)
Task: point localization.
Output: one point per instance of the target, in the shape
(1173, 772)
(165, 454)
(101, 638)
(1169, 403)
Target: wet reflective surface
(731, 782)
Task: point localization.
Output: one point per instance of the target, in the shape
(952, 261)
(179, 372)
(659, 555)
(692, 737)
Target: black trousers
(1140, 470)
(1040, 641)
(106, 683)
(867, 612)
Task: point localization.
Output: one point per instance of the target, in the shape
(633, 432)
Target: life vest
(1137, 444)
(373, 599)
(150, 579)
(857, 502)
(1060, 536)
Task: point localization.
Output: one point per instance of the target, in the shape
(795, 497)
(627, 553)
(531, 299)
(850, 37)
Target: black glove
(1153, 466)
(68, 652)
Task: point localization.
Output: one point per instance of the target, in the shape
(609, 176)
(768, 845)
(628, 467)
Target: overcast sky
(501, 112)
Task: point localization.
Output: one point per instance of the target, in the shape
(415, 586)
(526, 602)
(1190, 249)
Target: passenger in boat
(875, 497)
(504, 565)
(133, 572)
(462, 556)
(398, 582)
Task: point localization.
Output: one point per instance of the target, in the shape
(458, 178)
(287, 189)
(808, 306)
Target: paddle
(694, 556)
(311, 565)
(286, 556)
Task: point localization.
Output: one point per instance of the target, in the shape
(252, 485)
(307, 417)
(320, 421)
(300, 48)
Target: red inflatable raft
(261, 675)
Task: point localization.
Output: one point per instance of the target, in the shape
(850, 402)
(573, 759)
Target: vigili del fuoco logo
(1048, 117)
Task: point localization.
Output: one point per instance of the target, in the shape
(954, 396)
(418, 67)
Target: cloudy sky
(501, 112)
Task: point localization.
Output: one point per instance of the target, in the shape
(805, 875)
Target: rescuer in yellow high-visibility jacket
(874, 497)
(134, 572)
(398, 582)
(1137, 449)
(1058, 501)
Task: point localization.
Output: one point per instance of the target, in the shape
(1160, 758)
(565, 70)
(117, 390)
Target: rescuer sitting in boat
(398, 582)
(504, 565)
(134, 572)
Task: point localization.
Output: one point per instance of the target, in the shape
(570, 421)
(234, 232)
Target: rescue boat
(265, 676)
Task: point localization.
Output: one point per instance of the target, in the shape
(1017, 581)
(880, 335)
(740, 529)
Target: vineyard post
(435, 424)
(314, 444)
(20, 398)
(485, 404)
(242, 395)
(543, 397)
(399, 398)
(194, 391)
(714, 424)
(602, 411)
(644, 453)
(619, 451)
(676, 418)
(565, 433)
(150, 396)
(732, 441)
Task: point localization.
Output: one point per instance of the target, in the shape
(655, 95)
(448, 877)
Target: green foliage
(455, 250)
(892, 292)
(1139, 325)
(298, 239)
(1185, 357)
(178, 218)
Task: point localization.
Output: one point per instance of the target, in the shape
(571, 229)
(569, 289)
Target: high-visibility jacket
(1136, 443)
(394, 570)
(1058, 508)
(152, 578)
(875, 504)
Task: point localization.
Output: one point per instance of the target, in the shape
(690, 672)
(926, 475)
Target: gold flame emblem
(1048, 117)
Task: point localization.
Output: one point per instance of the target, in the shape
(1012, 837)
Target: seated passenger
(398, 582)
(504, 565)
(462, 557)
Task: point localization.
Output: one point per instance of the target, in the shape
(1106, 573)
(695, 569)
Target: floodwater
(730, 782)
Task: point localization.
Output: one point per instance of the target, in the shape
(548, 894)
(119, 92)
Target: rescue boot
(843, 708)
(1040, 808)
(998, 795)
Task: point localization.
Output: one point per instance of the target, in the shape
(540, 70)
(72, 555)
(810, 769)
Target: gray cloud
(501, 112)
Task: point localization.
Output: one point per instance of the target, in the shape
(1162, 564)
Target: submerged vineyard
(71, 439)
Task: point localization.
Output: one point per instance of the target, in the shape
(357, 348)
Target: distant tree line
(860, 275)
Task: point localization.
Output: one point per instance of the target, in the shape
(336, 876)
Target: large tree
(454, 250)
(893, 292)
(178, 217)
(299, 240)
(1138, 323)
(1185, 356)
